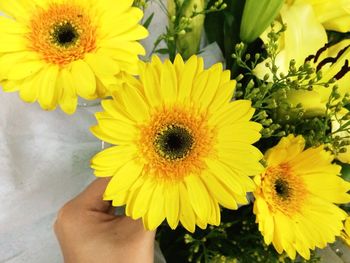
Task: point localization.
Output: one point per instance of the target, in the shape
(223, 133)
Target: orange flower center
(283, 189)
(175, 143)
(62, 33)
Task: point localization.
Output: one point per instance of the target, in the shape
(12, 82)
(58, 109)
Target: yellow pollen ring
(191, 128)
(174, 142)
(283, 189)
(44, 27)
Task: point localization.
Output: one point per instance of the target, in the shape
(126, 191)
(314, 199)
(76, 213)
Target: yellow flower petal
(172, 205)
(168, 83)
(104, 68)
(151, 81)
(68, 100)
(83, 79)
(198, 196)
(123, 179)
(48, 94)
(220, 191)
(110, 160)
(187, 216)
(187, 78)
(156, 212)
(143, 199)
(135, 104)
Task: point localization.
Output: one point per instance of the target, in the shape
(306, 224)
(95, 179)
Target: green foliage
(236, 240)
(181, 24)
(224, 28)
(269, 97)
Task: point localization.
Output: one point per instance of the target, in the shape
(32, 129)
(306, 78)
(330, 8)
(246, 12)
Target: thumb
(92, 197)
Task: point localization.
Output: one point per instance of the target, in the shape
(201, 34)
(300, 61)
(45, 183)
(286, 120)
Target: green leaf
(345, 172)
(162, 51)
(148, 21)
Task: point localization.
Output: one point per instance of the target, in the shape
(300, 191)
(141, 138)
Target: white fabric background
(44, 162)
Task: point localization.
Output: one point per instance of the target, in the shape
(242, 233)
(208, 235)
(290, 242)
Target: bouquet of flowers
(245, 160)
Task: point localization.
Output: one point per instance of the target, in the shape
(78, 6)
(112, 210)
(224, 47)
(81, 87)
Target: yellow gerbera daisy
(295, 195)
(183, 146)
(54, 50)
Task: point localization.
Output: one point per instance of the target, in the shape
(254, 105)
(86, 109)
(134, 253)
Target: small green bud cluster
(269, 95)
(186, 22)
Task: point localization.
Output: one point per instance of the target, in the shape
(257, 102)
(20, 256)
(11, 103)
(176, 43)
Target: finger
(92, 197)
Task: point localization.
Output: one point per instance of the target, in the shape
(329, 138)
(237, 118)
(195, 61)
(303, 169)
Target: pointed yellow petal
(25, 69)
(120, 131)
(239, 110)
(116, 111)
(172, 204)
(224, 94)
(104, 68)
(168, 83)
(198, 196)
(156, 212)
(107, 162)
(212, 85)
(124, 178)
(151, 82)
(84, 79)
(125, 22)
(187, 78)
(143, 199)
(187, 216)
(68, 100)
(29, 89)
(12, 43)
(48, 93)
(219, 191)
(135, 103)
(179, 66)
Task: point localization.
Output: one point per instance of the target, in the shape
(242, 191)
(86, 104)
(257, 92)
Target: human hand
(89, 233)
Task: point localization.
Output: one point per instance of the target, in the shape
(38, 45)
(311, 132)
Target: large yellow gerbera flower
(295, 195)
(183, 146)
(54, 50)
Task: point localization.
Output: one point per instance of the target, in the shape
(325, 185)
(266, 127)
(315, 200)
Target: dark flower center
(282, 188)
(65, 34)
(174, 142)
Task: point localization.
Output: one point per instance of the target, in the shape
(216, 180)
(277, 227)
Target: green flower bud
(188, 44)
(257, 16)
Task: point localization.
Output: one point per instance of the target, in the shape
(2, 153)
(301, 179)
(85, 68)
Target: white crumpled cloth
(44, 162)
